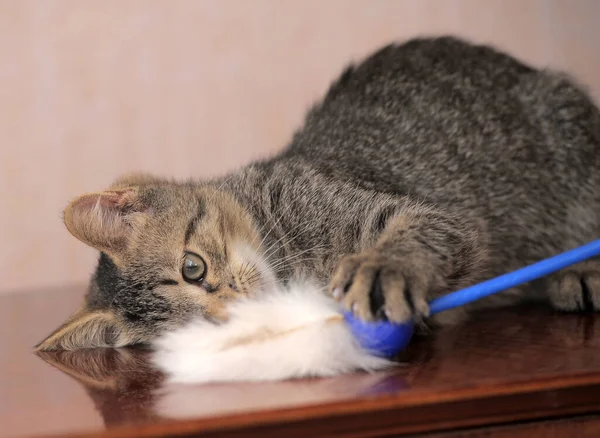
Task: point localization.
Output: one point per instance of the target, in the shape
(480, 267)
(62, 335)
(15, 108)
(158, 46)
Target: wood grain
(514, 365)
(580, 427)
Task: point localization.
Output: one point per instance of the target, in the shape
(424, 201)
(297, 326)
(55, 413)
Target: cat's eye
(193, 268)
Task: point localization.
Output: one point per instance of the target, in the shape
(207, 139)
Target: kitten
(429, 166)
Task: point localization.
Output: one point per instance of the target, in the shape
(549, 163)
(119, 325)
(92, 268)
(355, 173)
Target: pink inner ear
(106, 200)
(117, 198)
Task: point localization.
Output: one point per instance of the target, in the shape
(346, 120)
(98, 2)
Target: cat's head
(168, 252)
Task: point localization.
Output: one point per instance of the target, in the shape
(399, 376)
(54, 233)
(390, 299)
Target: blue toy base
(382, 339)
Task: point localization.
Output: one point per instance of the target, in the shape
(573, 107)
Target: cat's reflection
(120, 382)
(125, 388)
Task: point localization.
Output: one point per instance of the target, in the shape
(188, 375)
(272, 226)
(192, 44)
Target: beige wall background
(92, 89)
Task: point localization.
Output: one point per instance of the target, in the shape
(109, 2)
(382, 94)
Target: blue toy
(388, 339)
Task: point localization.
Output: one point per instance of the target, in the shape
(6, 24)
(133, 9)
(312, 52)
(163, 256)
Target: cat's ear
(105, 220)
(86, 329)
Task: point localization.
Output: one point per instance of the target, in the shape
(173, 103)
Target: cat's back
(423, 67)
(441, 115)
(411, 93)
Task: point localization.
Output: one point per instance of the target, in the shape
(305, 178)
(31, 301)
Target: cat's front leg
(422, 252)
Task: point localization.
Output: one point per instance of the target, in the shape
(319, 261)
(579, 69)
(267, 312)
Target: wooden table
(517, 372)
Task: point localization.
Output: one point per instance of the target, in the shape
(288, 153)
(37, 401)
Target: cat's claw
(374, 286)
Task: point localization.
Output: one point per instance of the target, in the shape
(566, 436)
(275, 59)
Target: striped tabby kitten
(431, 165)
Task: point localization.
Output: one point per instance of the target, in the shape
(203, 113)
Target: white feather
(288, 333)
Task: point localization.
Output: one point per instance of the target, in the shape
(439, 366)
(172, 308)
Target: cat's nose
(233, 286)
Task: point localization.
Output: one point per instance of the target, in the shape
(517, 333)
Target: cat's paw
(576, 288)
(374, 286)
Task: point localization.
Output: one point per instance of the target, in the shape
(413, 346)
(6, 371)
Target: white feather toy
(292, 332)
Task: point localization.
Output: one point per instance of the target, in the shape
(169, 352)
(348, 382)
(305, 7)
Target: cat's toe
(575, 290)
(376, 287)
(352, 285)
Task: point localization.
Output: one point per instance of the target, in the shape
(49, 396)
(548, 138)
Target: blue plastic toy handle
(515, 278)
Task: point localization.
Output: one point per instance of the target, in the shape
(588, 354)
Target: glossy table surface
(508, 365)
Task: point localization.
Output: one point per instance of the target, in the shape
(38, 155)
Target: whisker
(304, 251)
(243, 269)
(283, 264)
(281, 214)
(289, 206)
(251, 274)
(266, 256)
(273, 247)
(279, 270)
(282, 269)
